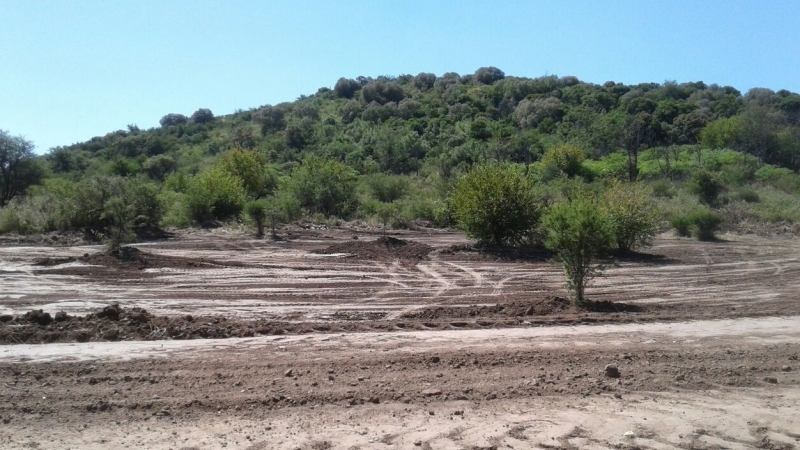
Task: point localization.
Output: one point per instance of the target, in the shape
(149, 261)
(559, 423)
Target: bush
(214, 195)
(387, 188)
(706, 187)
(579, 234)
(256, 210)
(631, 214)
(325, 186)
(705, 223)
(251, 168)
(496, 204)
(564, 159)
(682, 226)
(701, 223)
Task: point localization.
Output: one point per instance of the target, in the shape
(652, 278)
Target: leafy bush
(256, 210)
(251, 168)
(496, 203)
(214, 195)
(580, 235)
(387, 188)
(701, 223)
(324, 186)
(706, 186)
(682, 226)
(564, 159)
(631, 214)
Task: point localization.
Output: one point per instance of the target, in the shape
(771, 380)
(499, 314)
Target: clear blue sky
(71, 70)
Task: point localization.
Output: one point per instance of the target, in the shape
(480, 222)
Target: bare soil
(319, 341)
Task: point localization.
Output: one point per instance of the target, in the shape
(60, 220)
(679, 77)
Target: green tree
(173, 119)
(19, 168)
(496, 204)
(580, 236)
(251, 168)
(325, 186)
(203, 115)
(387, 188)
(214, 195)
(566, 159)
(632, 215)
(256, 210)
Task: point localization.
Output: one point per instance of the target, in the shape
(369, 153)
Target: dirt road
(729, 380)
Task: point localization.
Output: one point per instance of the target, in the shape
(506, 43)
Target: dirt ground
(338, 339)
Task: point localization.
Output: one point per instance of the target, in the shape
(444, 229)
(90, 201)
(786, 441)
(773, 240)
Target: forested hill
(447, 123)
(426, 148)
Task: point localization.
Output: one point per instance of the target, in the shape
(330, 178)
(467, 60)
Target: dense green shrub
(214, 195)
(256, 210)
(496, 204)
(325, 186)
(566, 159)
(701, 223)
(631, 214)
(706, 186)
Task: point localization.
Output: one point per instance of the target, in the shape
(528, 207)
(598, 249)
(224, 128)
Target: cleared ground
(438, 348)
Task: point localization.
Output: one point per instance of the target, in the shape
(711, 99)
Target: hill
(349, 151)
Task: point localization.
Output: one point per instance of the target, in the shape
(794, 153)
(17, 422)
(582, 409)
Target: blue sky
(72, 70)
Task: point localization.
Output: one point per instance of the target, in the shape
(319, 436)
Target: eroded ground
(378, 352)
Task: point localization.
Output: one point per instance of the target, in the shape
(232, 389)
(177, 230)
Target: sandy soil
(711, 360)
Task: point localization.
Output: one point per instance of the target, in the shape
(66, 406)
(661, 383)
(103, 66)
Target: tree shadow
(605, 306)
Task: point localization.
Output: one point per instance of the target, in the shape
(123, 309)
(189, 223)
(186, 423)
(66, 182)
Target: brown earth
(448, 346)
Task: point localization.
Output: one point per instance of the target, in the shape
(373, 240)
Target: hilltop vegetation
(391, 150)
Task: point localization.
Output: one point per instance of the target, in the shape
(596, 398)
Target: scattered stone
(786, 368)
(289, 373)
(629, 435)
(680, 377)
(612, 371)
(771, 380)
(374, 400)
(61, 316)
(435, 360)
(418, 443)
(431, 392)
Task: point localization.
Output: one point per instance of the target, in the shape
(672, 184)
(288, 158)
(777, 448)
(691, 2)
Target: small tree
(251, 168)
(256, 210)
(580, 236)
(387, 212)
(631, 214)
(496, 203)
(18, 167)
(214, 194)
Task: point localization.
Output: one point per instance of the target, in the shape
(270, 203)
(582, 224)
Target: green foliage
(173, 119)
(202, 115)
(18, 167)
(387, 188)
(706, 187)
(631, 215)
(256, 210)
(580, 236)
(496, 204)
(324, 186)
(251, 168)
(566, 159)
(214, 195)
(701, 223)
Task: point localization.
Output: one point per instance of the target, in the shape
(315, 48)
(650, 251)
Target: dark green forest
(393, 151)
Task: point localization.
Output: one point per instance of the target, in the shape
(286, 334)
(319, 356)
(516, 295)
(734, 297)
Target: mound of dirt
(130, 258)
(382, 248)
(518, 308)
